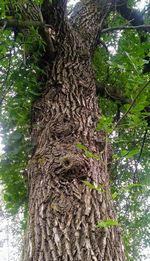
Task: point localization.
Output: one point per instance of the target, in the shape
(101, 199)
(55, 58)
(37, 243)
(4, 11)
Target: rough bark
(63, 211)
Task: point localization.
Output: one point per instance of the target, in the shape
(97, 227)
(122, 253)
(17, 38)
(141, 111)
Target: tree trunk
(63, 211)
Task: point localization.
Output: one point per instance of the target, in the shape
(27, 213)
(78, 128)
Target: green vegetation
(120, 70)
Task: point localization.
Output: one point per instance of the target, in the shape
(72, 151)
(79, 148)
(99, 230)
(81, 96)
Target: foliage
(18, 79)
(121, 67)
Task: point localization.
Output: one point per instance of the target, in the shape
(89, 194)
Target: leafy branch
(111, 92)
(132, 104)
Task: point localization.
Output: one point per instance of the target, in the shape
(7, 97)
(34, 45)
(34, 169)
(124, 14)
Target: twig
(4, 25)
(143, 143)
(100, 42)
(117, 28)
(133, 102)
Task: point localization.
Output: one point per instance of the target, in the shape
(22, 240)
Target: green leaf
(88, 154)
(107, 223)
(105, 124)
(34, 93)
(81, 146)
(115, 195)
(91, 186)
(132, 153)
(92, 155)
(124, 153)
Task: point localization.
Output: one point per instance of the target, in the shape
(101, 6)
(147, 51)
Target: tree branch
(107, 30)
(11, 23)
(136, 19)
(111, 93)
(134, 16)
(142, 146)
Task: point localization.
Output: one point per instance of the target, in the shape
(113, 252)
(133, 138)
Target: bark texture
(63, 211)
